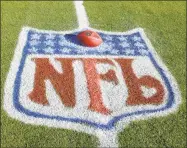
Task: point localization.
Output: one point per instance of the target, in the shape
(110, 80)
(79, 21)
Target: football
(89, 38)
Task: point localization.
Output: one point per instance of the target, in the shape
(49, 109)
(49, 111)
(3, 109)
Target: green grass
(165, 25)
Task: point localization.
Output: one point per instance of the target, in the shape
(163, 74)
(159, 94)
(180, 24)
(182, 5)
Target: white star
(110, 43)
(129, 52)
(105, 47)
(33, 42)
(49, 43)
(64, 42)
(143, 52)
(65, 50)
(35, 36)
(50, 37)
(33, 50)
(125, 44)
(138, 44)
(122, 38)
(49, 50)
(62, 37)
(114, 51)
(109, 38)
(82, 50)
(101, 51)
(136, 38)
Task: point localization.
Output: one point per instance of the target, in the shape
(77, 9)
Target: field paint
(109, 126)
(81, 15)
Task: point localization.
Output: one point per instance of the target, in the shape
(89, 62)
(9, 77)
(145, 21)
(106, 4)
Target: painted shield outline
(17, 111)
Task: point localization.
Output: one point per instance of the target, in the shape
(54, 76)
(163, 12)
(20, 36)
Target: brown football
(89, 38)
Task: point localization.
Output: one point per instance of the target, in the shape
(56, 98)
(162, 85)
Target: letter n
(63, 83)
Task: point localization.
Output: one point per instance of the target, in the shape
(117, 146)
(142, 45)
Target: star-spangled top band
(67, 44)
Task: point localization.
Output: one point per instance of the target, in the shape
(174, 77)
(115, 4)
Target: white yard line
(81, 15)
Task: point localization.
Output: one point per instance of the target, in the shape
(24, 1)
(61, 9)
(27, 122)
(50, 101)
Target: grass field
(164, 24)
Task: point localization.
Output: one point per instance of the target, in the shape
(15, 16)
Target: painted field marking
(81, 14)
(56, 82)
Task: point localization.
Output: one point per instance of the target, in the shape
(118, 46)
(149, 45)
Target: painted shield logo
(55, 81)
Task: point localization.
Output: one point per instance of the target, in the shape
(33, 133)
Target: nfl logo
(55, 81)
